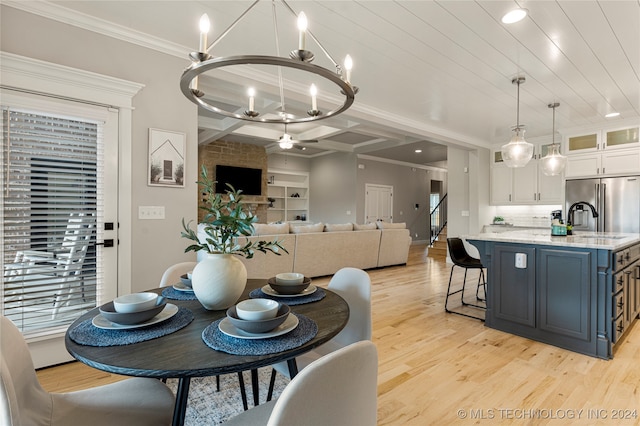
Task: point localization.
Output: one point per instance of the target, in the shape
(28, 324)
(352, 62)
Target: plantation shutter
(51, 204)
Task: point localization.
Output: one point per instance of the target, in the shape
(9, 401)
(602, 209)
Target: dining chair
(462, 259)
(173, 273)
(337, 389)
(354, 286)
(137, 401)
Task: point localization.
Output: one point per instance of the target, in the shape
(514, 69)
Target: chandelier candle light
(299, 59)
(553, 163)
(517, 152)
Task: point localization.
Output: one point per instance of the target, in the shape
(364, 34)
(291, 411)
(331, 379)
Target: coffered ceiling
(430, 73)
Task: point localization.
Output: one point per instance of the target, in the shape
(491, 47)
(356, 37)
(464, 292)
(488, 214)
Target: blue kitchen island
(578, 292)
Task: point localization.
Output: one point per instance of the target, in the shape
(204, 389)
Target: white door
(59, 215)
(378, 203)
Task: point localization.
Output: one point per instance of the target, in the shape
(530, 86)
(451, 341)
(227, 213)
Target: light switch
(521, 260)
(150, 212)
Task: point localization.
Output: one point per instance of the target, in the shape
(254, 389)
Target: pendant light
(553, 163)
(517, 152)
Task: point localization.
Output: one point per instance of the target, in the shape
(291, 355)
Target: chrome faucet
(572, 210)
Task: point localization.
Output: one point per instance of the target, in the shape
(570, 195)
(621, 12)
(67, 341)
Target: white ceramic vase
(218, 280)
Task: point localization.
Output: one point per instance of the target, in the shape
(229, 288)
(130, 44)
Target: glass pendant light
(553, 163)
(517, 152)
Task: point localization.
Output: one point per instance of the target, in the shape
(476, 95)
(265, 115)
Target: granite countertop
(597, 240)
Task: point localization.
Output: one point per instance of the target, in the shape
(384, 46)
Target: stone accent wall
(236, 154)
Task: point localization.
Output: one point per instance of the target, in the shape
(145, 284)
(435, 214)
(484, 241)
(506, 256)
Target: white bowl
(289, 278)
(135, 302)
(257, 309)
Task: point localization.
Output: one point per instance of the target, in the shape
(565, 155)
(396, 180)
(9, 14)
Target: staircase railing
(438, 219)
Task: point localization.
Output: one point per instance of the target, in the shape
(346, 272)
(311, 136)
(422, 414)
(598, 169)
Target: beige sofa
(326, 251)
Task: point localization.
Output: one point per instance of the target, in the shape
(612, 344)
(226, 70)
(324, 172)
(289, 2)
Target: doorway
(378, 205)
(59, 210)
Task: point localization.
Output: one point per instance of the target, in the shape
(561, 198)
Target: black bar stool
(462, 259)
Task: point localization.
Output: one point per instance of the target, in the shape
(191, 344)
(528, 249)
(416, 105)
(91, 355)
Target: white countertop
(597, 240)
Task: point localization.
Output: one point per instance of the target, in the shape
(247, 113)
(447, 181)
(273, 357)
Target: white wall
(155, 244)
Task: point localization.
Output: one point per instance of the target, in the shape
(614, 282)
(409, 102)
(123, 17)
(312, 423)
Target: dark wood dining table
(183, 354)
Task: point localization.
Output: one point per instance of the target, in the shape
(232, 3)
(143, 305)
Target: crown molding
(100, 26)
(33, 75)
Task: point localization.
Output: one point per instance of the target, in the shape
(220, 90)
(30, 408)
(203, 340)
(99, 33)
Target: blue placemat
(317, 295)
(172, 293)
(86, 333)
(216, 339)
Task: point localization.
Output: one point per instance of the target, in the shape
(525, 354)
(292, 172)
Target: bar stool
(462, 259)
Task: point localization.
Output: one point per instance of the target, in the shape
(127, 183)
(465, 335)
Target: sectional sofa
(322, 249)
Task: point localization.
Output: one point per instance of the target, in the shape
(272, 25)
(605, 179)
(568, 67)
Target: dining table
(188, 352)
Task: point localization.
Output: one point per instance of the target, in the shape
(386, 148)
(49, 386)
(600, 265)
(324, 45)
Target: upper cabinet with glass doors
(603, 152)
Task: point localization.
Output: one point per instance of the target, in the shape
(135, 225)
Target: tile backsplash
(530, 216)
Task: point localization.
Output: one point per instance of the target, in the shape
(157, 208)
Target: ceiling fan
(286, 141)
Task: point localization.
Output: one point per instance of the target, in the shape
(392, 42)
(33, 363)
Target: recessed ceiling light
(418, 151)
(612, 114)
(514, 16)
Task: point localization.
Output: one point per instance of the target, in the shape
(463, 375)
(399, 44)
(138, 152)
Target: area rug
(206, 406)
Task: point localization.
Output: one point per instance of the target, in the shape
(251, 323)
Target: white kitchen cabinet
(622, 138)
(608, 163)
(524, 185)
(500, 184)
(608, 152)
(581, 143)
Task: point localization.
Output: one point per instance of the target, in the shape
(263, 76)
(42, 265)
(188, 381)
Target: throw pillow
(305, 229)
(364, 227)
(338, 227)
(388, 225)
(270, 229)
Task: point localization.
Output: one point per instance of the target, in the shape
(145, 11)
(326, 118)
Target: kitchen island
(578, 292)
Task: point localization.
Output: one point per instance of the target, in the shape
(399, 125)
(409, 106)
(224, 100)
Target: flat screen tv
(242, 178)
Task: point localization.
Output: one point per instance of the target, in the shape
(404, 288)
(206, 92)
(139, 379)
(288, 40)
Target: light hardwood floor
(438, 368)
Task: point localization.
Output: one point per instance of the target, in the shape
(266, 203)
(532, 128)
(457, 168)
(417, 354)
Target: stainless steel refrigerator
(617, 201)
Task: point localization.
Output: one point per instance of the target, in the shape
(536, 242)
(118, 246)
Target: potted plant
(498, 220)
(220, 278)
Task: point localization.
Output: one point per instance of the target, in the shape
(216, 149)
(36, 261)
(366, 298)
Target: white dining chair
(354, 286)
(337, 389)
(23, 401)
(173, 273)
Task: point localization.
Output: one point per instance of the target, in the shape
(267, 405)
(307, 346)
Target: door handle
(106, 243)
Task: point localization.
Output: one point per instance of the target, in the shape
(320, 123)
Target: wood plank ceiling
(430, 73)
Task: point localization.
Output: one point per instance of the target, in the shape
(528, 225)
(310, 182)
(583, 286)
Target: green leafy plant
(498, 219)
(227, 218)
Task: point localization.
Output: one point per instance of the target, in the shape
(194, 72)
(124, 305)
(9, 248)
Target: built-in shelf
(290, 192)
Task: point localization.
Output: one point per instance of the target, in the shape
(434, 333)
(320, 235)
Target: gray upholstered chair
(354, 286)
(338, 389)
(172, 275)
(136, 401)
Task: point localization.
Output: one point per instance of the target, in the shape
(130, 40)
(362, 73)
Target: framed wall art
(166, 158)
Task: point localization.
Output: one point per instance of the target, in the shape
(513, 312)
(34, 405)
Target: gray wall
(333, 193)
(411, 186)
(156, 244)
(337, 188)
(468, 193)
(288, 162)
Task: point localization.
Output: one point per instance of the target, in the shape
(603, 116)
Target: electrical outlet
(521, 260)
(150, 212)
